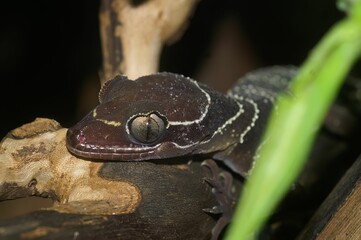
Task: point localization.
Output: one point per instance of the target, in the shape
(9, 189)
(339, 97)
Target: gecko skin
(166, 115)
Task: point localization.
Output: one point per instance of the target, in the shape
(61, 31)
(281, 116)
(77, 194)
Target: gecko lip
(77, 144)
(116, 156)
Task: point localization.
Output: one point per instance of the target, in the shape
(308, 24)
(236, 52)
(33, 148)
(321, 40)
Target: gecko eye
(147, 128)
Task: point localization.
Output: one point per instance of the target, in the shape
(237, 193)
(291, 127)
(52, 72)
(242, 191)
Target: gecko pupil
(147, 128)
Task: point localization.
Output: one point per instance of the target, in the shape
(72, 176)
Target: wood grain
(339, 216)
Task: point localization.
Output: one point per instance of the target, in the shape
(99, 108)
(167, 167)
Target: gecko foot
(221, 183)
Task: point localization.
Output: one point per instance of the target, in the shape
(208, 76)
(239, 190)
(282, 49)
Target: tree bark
(108, 200)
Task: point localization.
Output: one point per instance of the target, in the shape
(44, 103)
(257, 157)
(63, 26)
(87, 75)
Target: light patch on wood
(144, 30)
(43, 164)
(182, 166)
(38, 126)
(39, 232)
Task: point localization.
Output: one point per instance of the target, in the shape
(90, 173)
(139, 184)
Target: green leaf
(299, 117)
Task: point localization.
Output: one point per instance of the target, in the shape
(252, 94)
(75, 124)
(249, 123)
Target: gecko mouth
(77, 144)
(99, 154)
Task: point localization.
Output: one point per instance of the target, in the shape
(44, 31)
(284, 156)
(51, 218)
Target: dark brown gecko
(167, 115)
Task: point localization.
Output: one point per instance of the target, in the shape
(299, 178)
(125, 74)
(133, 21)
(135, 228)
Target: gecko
(167, 115)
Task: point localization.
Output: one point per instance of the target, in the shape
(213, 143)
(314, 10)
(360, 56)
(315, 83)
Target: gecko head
(162, 115)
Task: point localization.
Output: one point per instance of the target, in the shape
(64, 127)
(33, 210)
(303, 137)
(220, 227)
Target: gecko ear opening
(147, 128)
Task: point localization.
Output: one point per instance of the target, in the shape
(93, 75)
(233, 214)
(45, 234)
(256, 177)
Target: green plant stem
(294, 127)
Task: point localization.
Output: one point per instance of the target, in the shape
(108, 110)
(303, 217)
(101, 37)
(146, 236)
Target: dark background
(50, 54)
(50, 50)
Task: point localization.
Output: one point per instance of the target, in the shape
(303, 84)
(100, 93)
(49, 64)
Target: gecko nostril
(80, 137)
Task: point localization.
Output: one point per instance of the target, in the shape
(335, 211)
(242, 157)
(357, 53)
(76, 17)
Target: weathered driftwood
(145, 200)
(128, 200)
(133, 33)
(96, 200)
(35, 161)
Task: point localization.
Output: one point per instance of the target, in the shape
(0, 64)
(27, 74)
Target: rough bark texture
(156, 200)
(35, 161)
(96, 200)
(127, 200)
(339, 216)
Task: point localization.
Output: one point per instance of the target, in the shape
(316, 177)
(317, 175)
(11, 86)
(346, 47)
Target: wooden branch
(162, 199)
(339, 216)
(148, 200)
(133, 33)
(36, 162)
(54, 225)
